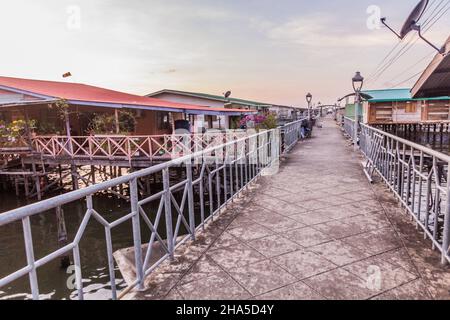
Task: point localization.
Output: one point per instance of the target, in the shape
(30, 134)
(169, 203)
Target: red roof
(77, 92)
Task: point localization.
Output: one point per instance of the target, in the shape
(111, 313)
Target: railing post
(168, 212)
(273, 147)
(30, 257)
(78, 275)
(129, 152)
(280, 135)
(190, 199)
(91, 154)
(134, 198)
(446, 238)
(150, 147)
(53, 147)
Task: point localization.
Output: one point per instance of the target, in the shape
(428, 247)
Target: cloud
(320, 31)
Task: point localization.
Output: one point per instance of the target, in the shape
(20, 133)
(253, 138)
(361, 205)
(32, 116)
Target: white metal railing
(349, 127)
(418, 176)
(218, 175)
(339, 118)
(291, 133)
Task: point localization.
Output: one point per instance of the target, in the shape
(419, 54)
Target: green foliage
(106, 123)
(270, 122)
(44, 128)
(235, 123)
(11, 133)
(62, 108)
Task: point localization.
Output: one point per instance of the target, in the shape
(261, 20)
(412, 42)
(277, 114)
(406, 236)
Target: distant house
(350, 111)
(36, 99)
(204, 99)
(397, 106)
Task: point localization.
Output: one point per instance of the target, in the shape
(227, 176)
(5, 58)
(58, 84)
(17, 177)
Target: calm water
(53, 280)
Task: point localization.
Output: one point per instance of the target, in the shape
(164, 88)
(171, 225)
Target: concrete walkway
(316, 230)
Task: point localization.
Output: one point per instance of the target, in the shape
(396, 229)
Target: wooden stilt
(25, 180)
(16, 186)
(62, 236)
(75, 182)
(121, 186)
(37, 181)
(148, 186)
(93, 174)
(61, 183)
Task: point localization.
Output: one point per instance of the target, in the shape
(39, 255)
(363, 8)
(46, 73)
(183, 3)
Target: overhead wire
(430, 22)
(382, 64)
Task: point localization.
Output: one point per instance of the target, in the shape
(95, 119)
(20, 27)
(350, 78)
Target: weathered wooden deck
(315, 230)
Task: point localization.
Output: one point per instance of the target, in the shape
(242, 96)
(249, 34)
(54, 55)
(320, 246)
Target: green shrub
(106, 123)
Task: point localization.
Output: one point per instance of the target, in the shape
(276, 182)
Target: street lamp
(357, 81)
(309, 99)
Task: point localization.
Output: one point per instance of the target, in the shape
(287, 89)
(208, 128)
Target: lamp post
(357, 81)
(309, 99)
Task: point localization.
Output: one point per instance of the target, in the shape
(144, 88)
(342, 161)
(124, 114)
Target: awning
(435, 81)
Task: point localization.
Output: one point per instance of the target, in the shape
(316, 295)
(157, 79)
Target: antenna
(227, 95)
(67, 75)
(411, 24)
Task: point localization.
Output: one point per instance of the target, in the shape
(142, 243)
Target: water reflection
(439, 141)
(55, 282)
(58, 283)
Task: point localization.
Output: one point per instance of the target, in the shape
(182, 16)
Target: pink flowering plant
(259, 121)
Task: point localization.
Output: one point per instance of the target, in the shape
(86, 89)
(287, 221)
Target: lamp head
(358, 81)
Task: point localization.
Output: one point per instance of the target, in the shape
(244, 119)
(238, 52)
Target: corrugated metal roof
(435, 80)
(86, 94)
(396, 95)
(215, 97)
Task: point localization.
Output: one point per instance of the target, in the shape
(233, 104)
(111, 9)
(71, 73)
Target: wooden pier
(54, 163)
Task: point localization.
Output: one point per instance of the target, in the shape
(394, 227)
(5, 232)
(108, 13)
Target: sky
(275, 51)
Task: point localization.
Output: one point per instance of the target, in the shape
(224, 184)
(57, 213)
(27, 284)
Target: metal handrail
(224, 172)
(417, 175)
(349, 126)
(291, 134)
(416, 146)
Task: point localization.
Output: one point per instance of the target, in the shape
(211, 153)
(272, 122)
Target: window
(381, 112)
(211, 120)
(438, 111)
(411, 107)
(162, 120)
